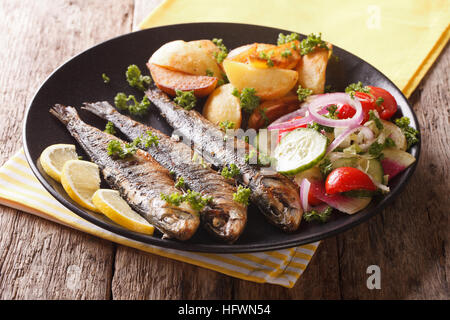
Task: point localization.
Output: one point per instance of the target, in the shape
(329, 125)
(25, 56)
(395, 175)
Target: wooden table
(43, 260)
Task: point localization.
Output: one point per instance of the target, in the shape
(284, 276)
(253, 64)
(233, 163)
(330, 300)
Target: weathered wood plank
(40, 259)
(409, 240)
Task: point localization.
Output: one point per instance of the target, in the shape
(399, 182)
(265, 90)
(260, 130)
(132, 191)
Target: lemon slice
(111, 204)
(81, 179)
(53, 158)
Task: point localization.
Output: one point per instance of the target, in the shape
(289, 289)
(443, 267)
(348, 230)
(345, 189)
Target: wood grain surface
(43, 260)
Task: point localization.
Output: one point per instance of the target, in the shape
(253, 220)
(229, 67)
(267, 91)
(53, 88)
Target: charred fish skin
(139, 179)
(224, 218)
(274, 194)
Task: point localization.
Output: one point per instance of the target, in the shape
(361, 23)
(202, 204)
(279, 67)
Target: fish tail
(65, 114)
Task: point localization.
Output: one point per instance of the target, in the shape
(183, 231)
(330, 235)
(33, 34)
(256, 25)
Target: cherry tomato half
(345, 179)
(345, 111)
(388, 106)
(367, 103)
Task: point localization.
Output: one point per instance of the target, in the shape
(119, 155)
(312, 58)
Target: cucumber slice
(373, 168)
(299, 150)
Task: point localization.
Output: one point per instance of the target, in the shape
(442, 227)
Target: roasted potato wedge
(270, 110)
(241, 54)
(269, 83)
(186, 57)
(222, 105)
(312, 69)
(283, 56)
(169, 81)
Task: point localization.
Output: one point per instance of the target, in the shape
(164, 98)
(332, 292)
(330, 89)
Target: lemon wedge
(111, 204)
(80, 179)
(53, 158)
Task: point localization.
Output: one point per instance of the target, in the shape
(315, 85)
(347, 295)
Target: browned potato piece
(185, 57)
(222, 105)
(206, 45)
(312, 69)
(270, 110)
(289, 61)
(269, 83)
(169, 81)
(241, 54)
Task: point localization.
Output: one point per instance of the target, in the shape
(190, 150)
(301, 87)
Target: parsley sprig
(220, 56)
(248, 99)
(231, 171)
(303, 93)
(356, 87)
(185, 99)
(242, 195)
(321, 217)
(109, 128)
(136, 79)
(409, 132)
(135, 108)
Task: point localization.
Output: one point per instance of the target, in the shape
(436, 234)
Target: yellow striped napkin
(401, 38)
(20, 189)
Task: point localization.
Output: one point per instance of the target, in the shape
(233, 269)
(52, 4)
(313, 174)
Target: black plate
(79, 80)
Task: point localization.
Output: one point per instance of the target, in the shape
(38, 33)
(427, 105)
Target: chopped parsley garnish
(311, 42)
(174, 198)
(286, 53)
(303, 93)
(149, 140)
(282, 39)
(136, 79)
(116, 149)
(267, 57)
(356, 87)
(230, 172)
(389, 143)
(105, 78)
(180, 183)
(223, 80)
(220, 56)
(248, 99)
(195, 199)
(225, 125)
(409, 132)
(209, 73)
(332, 111)
(319, 127)
(242, 195)
(376, 149)
(321, 217)
(376, 120)
(325, 167)
(109, 128)
(185, 99)
(379, 101)
(136, 108)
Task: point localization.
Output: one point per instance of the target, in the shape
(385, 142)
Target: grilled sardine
(139, 179)
(223, 217)
(275, 195)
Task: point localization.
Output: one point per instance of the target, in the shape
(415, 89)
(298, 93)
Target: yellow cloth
(401, 38)
(20, 189)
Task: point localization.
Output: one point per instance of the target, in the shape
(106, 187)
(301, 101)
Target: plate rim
(214, 247)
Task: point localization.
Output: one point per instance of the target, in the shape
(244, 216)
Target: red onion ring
(290, 124)
(304, 193)
(338, 140)
(335, 98)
